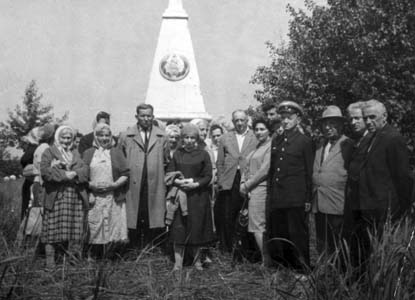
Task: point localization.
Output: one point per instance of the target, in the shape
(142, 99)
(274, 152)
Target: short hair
(102, 115)
(354, 106)
(197, 122)
(239, 110)
(375, 104)
(143, 106)
(268, 106)
(78, 134)
(261, 120)
(214, 127)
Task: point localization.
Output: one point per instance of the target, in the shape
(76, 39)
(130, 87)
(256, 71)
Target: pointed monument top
(175, 10)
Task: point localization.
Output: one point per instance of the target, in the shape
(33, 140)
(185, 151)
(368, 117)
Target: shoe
(301, 277)
(198, 266)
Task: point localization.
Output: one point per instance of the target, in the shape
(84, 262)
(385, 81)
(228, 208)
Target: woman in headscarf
(195, 229)
(109, 172)
(65, 178)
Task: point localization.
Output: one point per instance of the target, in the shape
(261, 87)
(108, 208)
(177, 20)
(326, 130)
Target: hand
(70, 174)
(307, 207)
(179, 182)
(243, 190)
(187, 186)
(58, 163)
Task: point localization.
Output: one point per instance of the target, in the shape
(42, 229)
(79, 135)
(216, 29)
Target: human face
(76, 142)
(272, 114)
(104, 138)
(189, 142)
(65, 138)
(261, 132)
(145, 118)
(331, 129)
(356, 121)
(289, 120)
(173, 140)
(374, 118)
(203, 130)
(240, 121)
(104, 120)
(216, 134)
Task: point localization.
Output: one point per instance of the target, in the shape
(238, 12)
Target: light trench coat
(132, 145)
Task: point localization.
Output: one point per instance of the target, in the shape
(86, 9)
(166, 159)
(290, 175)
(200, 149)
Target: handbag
(34, 221)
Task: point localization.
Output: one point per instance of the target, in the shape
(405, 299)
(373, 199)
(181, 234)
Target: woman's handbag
(242, 245)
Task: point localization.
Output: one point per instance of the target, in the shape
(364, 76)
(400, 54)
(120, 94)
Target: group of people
(196, 180)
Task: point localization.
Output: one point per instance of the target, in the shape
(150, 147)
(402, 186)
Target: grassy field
(147, 274)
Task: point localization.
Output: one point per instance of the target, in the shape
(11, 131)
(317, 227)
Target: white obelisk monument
(174, 87)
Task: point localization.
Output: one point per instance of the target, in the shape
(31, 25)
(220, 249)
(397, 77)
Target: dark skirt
(65, 222)
(195, 229)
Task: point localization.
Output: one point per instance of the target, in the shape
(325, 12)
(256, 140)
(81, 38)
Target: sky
(91, 55)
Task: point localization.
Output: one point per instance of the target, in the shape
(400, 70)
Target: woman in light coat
(254, 182)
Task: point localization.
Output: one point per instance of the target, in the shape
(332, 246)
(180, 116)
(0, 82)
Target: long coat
(330, 177)
(229, 157)
(132, 145)
(384, 180)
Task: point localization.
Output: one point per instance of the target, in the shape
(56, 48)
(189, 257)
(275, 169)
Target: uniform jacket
(290, 173)
(119, 168)
(384, 180)
(132, 145)
(229, 157)
(330, 177)
(55, 180)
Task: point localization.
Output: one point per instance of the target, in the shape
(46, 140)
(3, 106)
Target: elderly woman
(173, 134)
(109, 172)
(65, 178)
(195, 229)
(254, 182)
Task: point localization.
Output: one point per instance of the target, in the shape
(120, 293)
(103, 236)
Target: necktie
(145, 139)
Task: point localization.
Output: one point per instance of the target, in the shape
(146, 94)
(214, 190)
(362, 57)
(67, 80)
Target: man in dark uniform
(290, 186)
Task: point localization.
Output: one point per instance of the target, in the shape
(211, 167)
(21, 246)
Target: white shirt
(240, 139)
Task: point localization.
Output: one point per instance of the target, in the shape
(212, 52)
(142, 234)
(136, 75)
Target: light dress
(107, 219)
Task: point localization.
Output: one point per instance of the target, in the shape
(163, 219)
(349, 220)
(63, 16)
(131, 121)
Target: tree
(26, 117)
(345, 52)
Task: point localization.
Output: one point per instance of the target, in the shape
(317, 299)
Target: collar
(244, 133)
(290, 133)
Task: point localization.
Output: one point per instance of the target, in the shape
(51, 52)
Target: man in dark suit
(290, 186)
(234, 146)
(382, 181)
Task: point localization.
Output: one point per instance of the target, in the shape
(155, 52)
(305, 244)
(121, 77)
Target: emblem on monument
(174, 67)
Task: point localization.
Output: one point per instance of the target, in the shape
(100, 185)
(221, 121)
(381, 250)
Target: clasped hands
(186, 184)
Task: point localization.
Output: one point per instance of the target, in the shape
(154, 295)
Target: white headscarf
(66, 153)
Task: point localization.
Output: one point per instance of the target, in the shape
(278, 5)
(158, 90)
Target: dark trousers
(226, 210)
(25, 197)
(364, 224)
(288, 242)
(328, 231)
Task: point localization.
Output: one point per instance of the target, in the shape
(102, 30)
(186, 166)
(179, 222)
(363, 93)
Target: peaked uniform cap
(290, 107)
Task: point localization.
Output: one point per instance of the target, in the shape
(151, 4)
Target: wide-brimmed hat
(290, 107)
(332, 112)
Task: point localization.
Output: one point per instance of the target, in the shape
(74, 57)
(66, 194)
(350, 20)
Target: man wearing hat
(290, 186)
(329, 179)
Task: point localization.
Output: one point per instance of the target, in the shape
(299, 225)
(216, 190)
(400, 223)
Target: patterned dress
(107, 219)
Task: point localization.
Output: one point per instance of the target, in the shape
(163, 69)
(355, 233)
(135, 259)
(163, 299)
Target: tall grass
(147, 274)
(390, 270)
